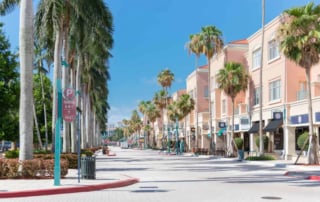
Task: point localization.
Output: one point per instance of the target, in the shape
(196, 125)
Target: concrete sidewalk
(70, 184)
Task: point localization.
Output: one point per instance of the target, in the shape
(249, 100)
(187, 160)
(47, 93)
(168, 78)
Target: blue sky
(150, 35)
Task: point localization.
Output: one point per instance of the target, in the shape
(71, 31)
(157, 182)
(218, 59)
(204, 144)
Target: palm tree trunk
(37, 126)
(26, 67)
(261, 149)
(209, 98)
(83, 120)
(78, 93)
(313, 146)
(65, 84)
(44, 112)
(56, 77)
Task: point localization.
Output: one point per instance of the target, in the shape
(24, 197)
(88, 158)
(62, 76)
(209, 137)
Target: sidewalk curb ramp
(66, 190)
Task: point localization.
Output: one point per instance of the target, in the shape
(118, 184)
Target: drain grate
(149, 187)
(271, 197)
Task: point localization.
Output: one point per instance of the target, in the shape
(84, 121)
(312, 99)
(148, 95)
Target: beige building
(198, 120)
(284, 103)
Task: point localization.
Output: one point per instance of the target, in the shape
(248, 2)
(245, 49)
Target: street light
(177, 138)
(168, 138)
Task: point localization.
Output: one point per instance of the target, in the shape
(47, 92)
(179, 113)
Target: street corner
(307, 175)
(71, 189)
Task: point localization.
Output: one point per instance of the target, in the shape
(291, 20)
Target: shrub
(86, 152)
(301, 139)
(265, 141)
(239, 142)
(32, 169)
(260, 158)
(12, 154)
(40, 151)
(72, 160)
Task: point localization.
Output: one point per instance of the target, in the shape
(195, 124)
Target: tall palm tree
(152, 113)
(165, 79)
(211, 44)
(186, 105)
(232, 79)
(195, 47)
(26, 67)
(261, 145)
(160, 101)
(299, 34)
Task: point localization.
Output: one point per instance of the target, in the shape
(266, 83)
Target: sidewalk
(21, 188)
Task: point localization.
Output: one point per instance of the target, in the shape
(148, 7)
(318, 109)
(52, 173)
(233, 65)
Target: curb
(66, 190)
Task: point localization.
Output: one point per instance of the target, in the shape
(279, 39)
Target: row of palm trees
(156, 109)
(299, 36)
(76, 37)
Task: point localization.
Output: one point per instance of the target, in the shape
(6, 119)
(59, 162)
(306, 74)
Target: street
(167, 178)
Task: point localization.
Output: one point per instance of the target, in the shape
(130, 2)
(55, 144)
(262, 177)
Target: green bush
(86, 152)
(12, 154)
(239, 142)
(265, 142)
(301, 140)
(260, 158)
(40, 151)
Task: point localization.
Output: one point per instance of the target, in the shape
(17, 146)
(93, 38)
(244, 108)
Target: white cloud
(117, 114)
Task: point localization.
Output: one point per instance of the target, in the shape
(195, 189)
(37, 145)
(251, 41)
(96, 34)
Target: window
(302, 93)
(274, 90)
(273, 50)
(224, 106)
(256, 59)
(256, 96)
(206, 92)
(191, 94)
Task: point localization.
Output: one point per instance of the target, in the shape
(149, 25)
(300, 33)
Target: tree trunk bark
(26, 82)
(313, 146)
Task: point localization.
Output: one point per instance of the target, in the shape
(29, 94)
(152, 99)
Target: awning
(273, 125)
(221, 131)
(254, 128)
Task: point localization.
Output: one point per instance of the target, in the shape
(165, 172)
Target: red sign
(69, 93)
(69, 110)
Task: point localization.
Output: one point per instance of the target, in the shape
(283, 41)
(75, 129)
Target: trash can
(88, 167)
(240, 155)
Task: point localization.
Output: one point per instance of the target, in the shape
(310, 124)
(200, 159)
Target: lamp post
(168, 144)
(177, 136)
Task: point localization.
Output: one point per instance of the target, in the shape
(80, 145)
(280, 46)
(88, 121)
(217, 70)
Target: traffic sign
(69, 93)
(69, 109)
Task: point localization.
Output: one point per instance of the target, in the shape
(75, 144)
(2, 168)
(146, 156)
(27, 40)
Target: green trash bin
(88, 167)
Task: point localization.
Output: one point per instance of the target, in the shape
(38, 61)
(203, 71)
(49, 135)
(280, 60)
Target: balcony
(301, 95)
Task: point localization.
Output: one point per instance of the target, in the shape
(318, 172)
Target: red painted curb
(313, 177)
(66, 190)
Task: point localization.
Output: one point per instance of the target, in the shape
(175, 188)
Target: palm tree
(165, 79)
(260, 78)
(26, 67)
(152, 113)
(232, 79)
(299, 34)
(195, 47)
(186, 105)
(142, 107)
(160, 101)
(211, 44)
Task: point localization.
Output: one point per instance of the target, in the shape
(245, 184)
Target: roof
(203, 67)
(241, 41)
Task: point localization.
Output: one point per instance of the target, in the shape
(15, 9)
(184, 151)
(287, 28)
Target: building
(198, 120)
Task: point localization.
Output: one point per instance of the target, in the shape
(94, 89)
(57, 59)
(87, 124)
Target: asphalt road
(169, 178)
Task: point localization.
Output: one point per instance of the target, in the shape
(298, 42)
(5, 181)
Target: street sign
(69, 93)
(69, 109)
